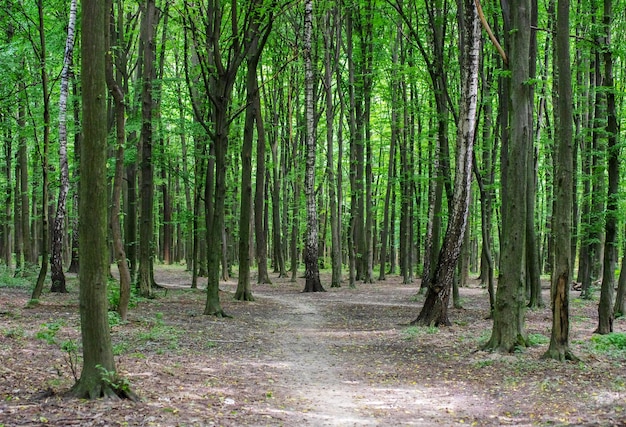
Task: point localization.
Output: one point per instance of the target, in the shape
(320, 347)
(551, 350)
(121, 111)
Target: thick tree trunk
(508, 328)
(98, 377)
(58, 229)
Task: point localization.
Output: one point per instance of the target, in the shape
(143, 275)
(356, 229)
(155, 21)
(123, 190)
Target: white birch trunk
(56, 261)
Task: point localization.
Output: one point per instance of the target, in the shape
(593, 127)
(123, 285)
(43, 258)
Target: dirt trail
(314, 373)
(319, 368)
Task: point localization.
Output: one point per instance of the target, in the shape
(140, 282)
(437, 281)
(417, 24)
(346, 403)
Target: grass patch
(413, 332)
(611, 344)
(537, 339)
(14, 279)
(161, 336)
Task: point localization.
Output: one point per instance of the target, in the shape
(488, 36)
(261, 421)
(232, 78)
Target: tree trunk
(260, 230)
(44, 158)
(605, 308)
(58, 229)
(619, 309)
(120, 136)
(331, 42)
(74, 262)
(562, 222)
(313, 283)
(146, 225)
(508, 328)
(98, 377)
(435, 309)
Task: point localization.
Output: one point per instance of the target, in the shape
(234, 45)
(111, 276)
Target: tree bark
(58, 229)
(98, 377)
(313, 283)
(562, 222)
(605, 308)
(508, 328)
(330, 43)
(435, 309)
(146, 225)
(120, 136)
(44, 158)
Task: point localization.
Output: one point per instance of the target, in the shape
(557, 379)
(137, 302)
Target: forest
(432, 147)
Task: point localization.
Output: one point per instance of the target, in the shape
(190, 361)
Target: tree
(120, 139)
(508, 317)
(313, 283)
(146, 226)
(435, 309)
(605, 308)
(562, 215)
(58, 229)
(42, 55)
(331, 40)
(98, 377)
(256, 38)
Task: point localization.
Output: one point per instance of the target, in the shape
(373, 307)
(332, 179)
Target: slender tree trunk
(435, 309)
(44, 159)
(313, 283)
(146, 226)
(562, 223)
(605, 308)
(120, 136)
(24, 201)
(329, 41)
(395, 131)
(260, 231)
(58, 230)
(74, 262)
(619, 309)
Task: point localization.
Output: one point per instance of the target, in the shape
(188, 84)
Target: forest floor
(345, 357)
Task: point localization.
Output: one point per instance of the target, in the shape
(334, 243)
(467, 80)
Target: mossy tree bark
(605, 308)
(508, 331)
(563, 183)
(98, 377)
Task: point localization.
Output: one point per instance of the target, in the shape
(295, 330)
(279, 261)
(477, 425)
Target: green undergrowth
(15, 279)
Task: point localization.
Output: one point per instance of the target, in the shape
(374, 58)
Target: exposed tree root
(102, 390)
(560, 354)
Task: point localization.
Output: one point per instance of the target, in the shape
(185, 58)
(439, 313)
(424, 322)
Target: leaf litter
(346, 357)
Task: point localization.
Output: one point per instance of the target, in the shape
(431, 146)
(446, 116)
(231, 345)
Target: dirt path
(316, 342)
(312, 371)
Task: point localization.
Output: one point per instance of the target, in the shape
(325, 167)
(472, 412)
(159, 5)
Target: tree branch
(483, 20)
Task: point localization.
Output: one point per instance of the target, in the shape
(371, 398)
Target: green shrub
(610, 342)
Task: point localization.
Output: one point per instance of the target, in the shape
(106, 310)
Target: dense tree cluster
(282, 134)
